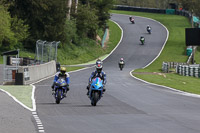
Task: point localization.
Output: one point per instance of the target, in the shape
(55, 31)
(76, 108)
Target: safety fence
(166, 66)
(24, 70)
(46, 51)
(189, 70)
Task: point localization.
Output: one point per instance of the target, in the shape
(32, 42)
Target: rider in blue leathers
(64, 74)
(97, 73)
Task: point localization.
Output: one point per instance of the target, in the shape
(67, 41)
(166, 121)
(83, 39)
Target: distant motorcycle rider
(130, 18)
(97, 73)
(148, 28)
(142, 39)
(121, 63)
(61, 74)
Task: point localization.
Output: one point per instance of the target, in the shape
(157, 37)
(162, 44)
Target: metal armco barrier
(189, 70)
(139, 9)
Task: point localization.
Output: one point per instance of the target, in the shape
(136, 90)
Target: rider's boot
(87, 90)
(64, 93)
(104, 89)
(53, 91)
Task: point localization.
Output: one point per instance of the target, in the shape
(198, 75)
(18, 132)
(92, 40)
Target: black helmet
(99, 65)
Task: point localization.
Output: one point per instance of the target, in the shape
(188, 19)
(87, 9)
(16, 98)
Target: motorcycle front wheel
(95, 98)
(58, 98)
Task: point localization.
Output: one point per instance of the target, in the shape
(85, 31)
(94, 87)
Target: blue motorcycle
(60, 87)
(96, 90)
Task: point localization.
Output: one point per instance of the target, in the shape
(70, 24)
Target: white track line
(38, 122)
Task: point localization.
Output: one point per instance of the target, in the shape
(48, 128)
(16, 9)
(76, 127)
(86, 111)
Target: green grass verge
(197, 55)
(174, 51)
(21, 93)
(183, 83)
(73, 68)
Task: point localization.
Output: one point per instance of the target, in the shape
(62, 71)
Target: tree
(5, 27)
(12, 30)
(45, 18)
(87, 22)
(69, 5)
(102, 7)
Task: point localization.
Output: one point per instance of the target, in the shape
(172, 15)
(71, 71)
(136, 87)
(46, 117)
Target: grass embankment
(74, 55)
(87, 51)
(174, 51)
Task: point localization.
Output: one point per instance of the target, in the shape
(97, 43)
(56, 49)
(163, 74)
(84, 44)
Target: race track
(129, 105)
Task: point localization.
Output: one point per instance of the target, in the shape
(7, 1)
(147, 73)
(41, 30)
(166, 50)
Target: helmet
(99, 66)
(121, 59)
(147, 25)
(63, 70)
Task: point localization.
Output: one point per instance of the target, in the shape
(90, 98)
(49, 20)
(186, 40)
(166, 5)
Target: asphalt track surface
(128, 105)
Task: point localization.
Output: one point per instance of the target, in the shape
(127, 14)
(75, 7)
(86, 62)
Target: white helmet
(99, 66)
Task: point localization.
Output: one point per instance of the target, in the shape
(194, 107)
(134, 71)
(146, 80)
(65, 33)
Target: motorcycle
(132, 20)
(121, 65)
(60, 87)
(96, 90)
(142, 40)
(149, 30)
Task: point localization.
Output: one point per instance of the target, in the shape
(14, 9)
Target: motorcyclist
(148, 28)
(62, 73)
(97, 73)
(121, 62)
(142, 39)
(130, 18)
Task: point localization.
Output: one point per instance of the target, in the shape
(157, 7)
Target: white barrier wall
(37, 72)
